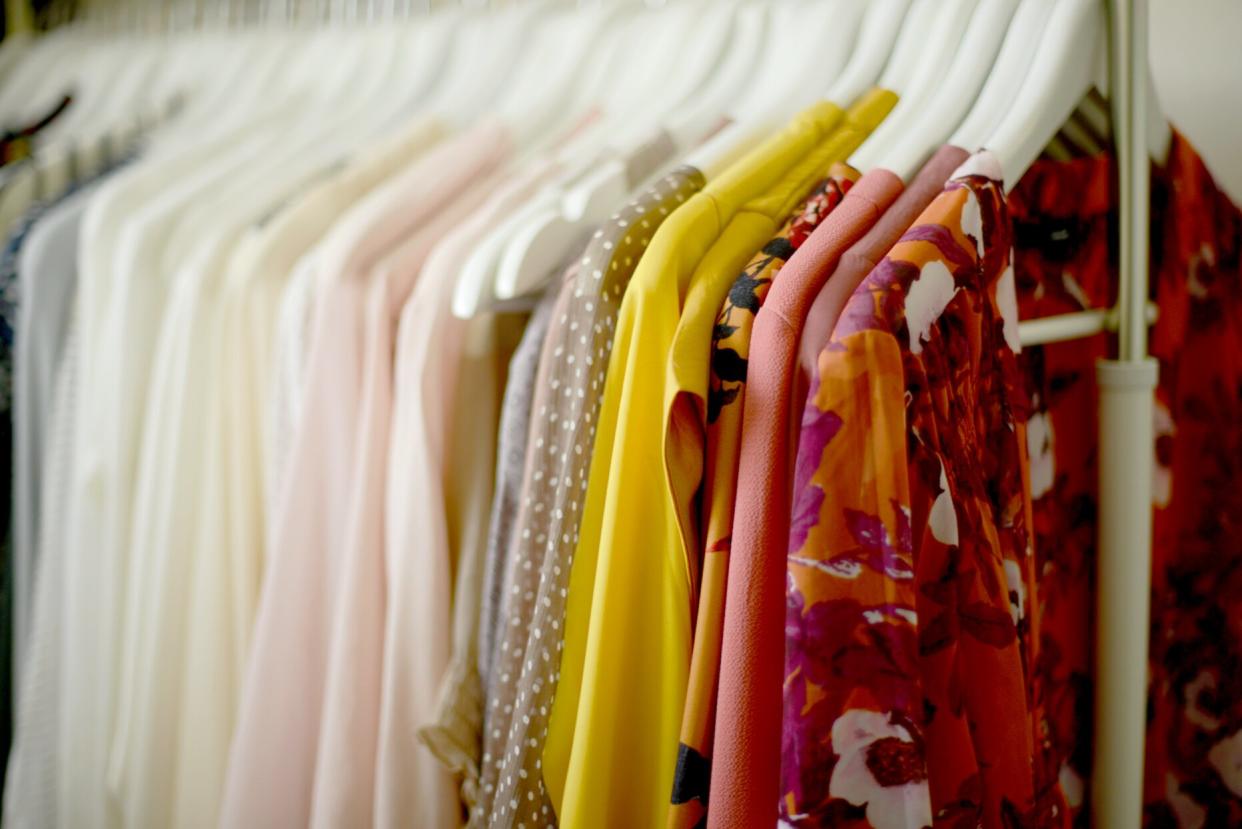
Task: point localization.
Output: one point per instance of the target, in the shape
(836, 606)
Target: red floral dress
(1063, 215)
(911, 620)
(1194, 736)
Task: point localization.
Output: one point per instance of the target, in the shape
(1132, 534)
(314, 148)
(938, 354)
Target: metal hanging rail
(1126, 399)
(1075, 326)
(1127, 386)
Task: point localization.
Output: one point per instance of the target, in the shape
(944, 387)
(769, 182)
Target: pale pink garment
(746, 761)
(349, 730)
(434, 487)
(273, 758)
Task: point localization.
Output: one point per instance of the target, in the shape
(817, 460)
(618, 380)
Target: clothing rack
(1126, 398)
(1126, 384)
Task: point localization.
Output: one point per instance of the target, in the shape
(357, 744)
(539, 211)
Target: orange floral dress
(911, 620)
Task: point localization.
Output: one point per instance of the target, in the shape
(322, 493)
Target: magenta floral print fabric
(910, 571)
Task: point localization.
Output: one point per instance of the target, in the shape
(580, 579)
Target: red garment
(1063, 262)
(912, 609)
(1062, 215)
(1194, 737)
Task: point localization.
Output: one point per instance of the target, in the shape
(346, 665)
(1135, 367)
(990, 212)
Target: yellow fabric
(19, 18)
(746, 233)
(612, 738)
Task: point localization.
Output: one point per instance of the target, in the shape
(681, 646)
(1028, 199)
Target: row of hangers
(1006, 74)
(1000, 74)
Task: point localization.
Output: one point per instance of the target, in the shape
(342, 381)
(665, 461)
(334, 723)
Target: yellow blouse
(612, 739)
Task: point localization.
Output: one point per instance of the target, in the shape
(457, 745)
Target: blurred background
(1194, 48)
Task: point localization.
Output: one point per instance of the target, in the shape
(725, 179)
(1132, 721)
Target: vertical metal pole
(1126, 455)
(1129, 80)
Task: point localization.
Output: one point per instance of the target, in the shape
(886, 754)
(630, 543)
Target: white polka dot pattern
(573, 368)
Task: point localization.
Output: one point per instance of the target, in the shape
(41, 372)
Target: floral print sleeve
(910, 622)
(726, 391)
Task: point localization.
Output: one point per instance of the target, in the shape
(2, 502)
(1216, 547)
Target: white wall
(1196, 55)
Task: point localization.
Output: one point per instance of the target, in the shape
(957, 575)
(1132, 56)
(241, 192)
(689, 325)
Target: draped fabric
(910, 563)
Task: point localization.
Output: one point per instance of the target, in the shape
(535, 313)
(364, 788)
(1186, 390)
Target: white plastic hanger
(707, 109)
(167, 82)
(112, 88)
(109, 104)
(559, 46)
(544, 241)
(688, 44)
(642, 39)
(490, 46)
(204, 92)
(916, 70)
(423, 45)
(754, 116)
(1005, 80)
(48, 71)
(356, 105)
(78, 58)
(691, 40)
(311, 136)
(474, 39)
(13, 49)
(912, 39)
(288, 86)
(1072, 58)
(650, 75)
(473, 288)
(32, 96)
(108, 80)
(594, 196)
(287, 70)
(930, 124)
(805, 49)
(539, 246)
(359, 61)
(401, 83)
(112, 83)
(391, 71)
(329, 117)
(343, 117)
(256, 78)
(473, 291)
(597, 80)
(877, 39)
